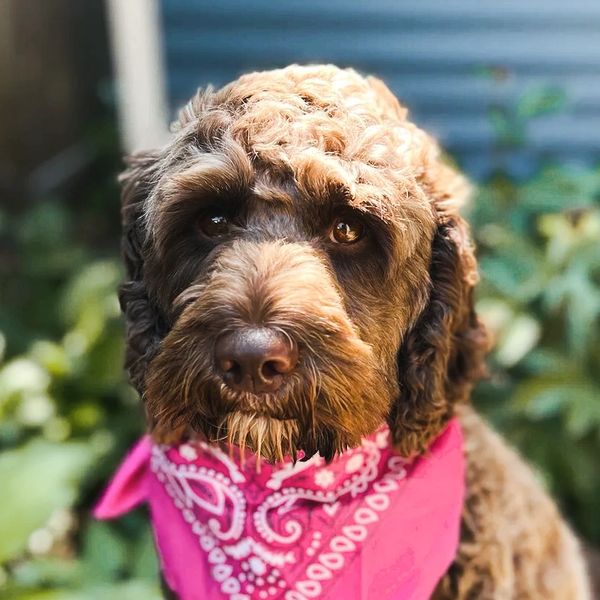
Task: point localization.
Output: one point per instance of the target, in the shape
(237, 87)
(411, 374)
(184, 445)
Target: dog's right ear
(142, 320)
(443, 354)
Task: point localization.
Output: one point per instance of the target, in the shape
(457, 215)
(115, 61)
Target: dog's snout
(255, 360)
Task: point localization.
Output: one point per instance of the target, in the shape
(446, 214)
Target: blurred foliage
(538, 245)
(539, 252)
(67, 415)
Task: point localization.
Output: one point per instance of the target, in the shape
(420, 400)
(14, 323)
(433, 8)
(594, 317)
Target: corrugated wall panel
(451, 62)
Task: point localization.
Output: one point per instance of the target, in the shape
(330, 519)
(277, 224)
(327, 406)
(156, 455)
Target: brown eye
(346, 230)
(214, 225)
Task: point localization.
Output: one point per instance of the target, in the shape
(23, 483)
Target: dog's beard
(271, 439)
(336, 396)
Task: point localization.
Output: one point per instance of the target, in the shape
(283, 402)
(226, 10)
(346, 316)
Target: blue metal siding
(449, 61)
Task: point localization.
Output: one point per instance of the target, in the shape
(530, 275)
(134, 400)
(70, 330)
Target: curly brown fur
(385, 328)
(514, 543)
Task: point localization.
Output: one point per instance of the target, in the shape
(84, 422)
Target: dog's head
(298, 272)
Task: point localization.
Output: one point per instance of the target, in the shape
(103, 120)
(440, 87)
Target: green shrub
(539, 255)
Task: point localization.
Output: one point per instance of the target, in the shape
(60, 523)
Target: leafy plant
(66, 413)
(539, 253)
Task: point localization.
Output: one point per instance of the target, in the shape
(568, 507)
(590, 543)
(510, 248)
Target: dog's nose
(255, 360)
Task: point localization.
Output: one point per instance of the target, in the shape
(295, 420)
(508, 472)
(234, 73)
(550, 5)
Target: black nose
(255, 360)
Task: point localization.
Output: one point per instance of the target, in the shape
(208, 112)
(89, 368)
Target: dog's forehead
(309, 177)
(329, 132)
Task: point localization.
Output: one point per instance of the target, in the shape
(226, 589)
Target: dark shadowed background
(513, 91)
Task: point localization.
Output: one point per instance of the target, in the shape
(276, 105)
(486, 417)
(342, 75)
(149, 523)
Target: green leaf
(92, 287)
(131, 590)
(540, 101)
(39, 478)
(47, 572)
(521, 336)
(543, 395)
(104, 552)
(20, 376)
(145, 562)
(583, 414)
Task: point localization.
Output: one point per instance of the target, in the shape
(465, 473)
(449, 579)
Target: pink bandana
(368, 525)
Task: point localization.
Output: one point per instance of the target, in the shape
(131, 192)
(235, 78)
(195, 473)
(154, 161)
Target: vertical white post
(137, 50)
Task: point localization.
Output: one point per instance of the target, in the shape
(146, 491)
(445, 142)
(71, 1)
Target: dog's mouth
(265, 413)
(270, 405)
(269, 437)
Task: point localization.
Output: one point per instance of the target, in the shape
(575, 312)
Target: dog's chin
(269, 437)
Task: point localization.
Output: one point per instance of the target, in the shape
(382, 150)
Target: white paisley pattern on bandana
(287, 530)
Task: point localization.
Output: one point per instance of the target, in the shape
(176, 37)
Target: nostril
(231, 369)
(270, 369)
(276, 366)
(226, 364)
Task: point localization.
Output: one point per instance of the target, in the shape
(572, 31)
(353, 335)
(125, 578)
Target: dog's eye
(214, 225)
(346, 230)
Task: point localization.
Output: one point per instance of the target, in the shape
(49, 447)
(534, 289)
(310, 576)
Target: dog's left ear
(442, 355)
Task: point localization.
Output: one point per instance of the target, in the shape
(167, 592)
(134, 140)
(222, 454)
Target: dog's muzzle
(264, 355)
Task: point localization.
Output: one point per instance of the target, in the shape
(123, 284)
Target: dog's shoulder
(514, 543)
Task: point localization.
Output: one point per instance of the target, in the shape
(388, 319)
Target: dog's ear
(442, 355)
(142, 321)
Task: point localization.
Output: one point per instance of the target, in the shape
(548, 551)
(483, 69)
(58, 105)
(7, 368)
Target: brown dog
(298, 274)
